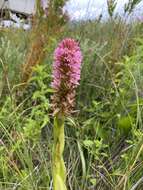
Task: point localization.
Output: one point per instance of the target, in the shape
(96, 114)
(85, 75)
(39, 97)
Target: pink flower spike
(66, 75)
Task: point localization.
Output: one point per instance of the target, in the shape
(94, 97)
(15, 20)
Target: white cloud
(79, 9)
(85, 9)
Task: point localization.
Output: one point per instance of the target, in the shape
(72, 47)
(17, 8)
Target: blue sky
(85, 9)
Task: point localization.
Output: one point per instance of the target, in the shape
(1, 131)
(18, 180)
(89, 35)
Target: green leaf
(93, 181)
(88, 143)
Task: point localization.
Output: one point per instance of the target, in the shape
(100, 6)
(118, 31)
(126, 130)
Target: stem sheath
(59, 170)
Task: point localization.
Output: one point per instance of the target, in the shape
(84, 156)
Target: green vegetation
(104, 136)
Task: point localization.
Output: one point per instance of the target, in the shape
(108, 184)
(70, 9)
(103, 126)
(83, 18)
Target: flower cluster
(66, 75)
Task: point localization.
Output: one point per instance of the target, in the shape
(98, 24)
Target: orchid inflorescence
(66, 75)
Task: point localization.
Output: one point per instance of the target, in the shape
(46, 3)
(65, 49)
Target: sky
(88, 9)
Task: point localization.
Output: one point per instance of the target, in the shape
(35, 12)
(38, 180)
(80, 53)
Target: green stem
(59, 170)
(39, 9)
